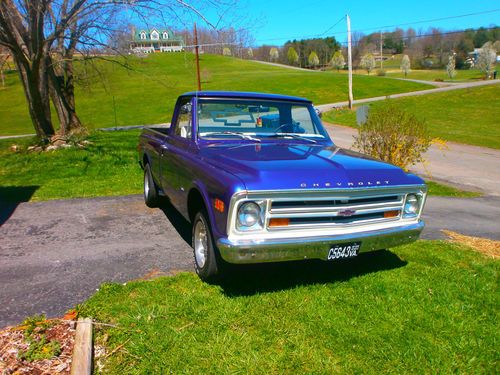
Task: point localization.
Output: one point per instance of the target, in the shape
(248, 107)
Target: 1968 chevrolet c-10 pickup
(261, 181)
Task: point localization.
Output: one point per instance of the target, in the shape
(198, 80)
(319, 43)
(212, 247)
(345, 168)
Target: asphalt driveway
(55, 254)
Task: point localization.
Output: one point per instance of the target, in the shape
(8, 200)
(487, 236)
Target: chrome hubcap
(200, 243)
(146, 185)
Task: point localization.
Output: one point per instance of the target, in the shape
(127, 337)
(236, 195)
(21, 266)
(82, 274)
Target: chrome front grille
(334, 210)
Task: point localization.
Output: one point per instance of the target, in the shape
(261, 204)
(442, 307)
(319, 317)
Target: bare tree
(4, 60)
(43, 36)
(22, 26)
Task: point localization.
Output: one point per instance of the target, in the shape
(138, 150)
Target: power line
(438, 34)
(386, 26)
(331, 27)
(345, 43)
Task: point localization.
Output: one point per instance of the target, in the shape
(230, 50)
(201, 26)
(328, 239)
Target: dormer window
(155, 35)
(143, 35)
(165, 35)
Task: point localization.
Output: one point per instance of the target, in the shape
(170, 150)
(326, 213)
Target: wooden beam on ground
(81, 363)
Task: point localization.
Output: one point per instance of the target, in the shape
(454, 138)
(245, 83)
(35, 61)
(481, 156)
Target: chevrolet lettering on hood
(347, 184)
(260, 180)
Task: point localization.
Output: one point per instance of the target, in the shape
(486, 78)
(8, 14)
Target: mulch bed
(13, 341)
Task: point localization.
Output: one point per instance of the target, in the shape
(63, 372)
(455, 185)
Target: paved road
(470, 167)
(55, 254)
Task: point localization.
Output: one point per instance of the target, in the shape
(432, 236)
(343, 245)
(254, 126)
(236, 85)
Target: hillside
(146, 93)
(465, 116)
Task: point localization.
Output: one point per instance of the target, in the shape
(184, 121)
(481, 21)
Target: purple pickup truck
(261, 181)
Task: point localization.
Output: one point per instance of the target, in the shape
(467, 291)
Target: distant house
(474, 56)
(155, 40)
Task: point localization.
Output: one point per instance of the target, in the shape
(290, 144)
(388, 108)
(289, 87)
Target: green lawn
(429, 307)
(468, 116)
(147, 94)
(106, 167)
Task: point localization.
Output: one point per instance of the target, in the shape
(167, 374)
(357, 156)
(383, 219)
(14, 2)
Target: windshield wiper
(241, 135)
(295, 136)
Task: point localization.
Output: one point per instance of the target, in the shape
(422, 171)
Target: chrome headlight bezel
(412, 205)
(249, 216)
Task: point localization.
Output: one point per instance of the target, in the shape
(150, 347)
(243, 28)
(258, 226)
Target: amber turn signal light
(281, 222)
(219, 205)
(391, 213)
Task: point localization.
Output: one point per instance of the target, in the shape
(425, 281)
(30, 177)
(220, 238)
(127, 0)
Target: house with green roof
(155, 40)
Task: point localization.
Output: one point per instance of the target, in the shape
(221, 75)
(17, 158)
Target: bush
(394, 136)
(381, 73)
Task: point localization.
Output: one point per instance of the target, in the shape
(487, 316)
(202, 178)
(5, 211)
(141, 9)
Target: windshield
(257, 119)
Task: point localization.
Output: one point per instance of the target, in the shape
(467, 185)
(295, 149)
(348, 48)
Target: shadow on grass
(241, 280)
(11, 196)
(246, 280)
(181, 225)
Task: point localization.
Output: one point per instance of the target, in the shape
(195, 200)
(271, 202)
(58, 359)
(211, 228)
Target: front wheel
(207, 261)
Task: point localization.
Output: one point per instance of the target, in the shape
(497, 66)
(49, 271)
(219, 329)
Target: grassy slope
(423, 308)
(107, 167)
(465, 116)
(147, 94)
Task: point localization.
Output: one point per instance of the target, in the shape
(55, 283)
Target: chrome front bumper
(255, 251)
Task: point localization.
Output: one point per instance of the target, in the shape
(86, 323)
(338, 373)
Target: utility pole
(349, 59)
(197, 57)
(381, 59)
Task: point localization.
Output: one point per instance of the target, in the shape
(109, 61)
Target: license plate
(345, 250)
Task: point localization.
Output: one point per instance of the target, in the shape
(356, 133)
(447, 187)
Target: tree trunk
(34, 79)
(63, 97)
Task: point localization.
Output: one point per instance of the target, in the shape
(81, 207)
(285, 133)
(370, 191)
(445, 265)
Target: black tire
(151, 196)
(209, 267)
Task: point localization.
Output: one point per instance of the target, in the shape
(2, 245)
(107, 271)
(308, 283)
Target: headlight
(412, 205)
(249, 214)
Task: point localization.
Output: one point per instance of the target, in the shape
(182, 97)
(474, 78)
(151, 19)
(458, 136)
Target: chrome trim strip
(276, 250)
(308, 209)
(315, 194)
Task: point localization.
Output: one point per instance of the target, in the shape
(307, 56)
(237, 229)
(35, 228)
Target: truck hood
(270, 166)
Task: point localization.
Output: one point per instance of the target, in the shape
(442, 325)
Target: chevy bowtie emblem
(346, 213)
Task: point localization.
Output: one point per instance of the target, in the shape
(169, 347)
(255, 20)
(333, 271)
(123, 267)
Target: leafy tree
(394, 136)
(226, 51)
(274, 54)
(487, 59)
(450, 67)
(405, 65)
(368, 62)
(313, 59)
(337, 60)
(293, 57)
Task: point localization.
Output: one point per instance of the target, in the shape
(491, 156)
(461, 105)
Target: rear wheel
(151, 197)
(207, 261)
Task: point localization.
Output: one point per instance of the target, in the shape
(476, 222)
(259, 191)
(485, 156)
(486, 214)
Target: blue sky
(277, 21)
